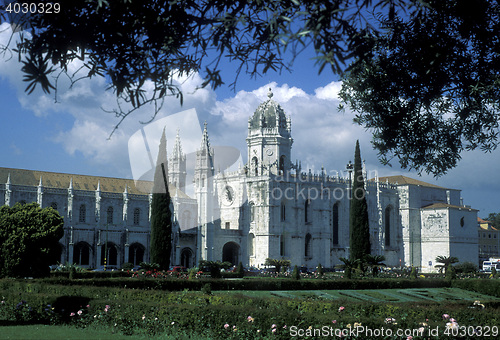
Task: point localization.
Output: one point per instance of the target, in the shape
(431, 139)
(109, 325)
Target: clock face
(228, 194)
(269, 152)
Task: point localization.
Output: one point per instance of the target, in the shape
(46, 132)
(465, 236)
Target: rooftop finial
(270, 93)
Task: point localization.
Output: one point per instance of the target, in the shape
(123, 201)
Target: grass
(46, 332)
(57, 332)
(375, 296)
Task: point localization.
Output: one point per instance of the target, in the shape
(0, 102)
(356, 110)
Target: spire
(205, 142)
(40, 183)
(71, 183)
(98, 185)
(177, 153)
(270, 93)
(159, 181)
(8, 179)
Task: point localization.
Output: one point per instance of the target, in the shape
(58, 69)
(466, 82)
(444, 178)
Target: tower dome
(269, 114)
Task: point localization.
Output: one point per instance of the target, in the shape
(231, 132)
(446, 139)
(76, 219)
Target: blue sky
(72, 135)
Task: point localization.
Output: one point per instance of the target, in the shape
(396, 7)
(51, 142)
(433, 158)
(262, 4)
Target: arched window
(251, 244)
(186, 257)
(307, 247)
(81, 254)
(283, 212)
(109, 219)
(111, 257)
(136, 253)
(255, 166)
(307, 210)
(335, 224)
(388, 226)
(82, 217)
(282, 165)
(137, 216)
(252, 212)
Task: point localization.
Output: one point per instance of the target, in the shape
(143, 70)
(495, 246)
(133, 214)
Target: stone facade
(267, 208)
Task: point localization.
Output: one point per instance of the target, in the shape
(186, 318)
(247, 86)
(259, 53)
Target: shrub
(239, 270)
(296, 273)
(127, 266)
(413, 273)
(207, 289)
(450, 273)
(466, 267)
(320, 270)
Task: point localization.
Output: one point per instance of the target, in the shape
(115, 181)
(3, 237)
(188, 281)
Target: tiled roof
(403, 180)
(80, 182)
(445, 205)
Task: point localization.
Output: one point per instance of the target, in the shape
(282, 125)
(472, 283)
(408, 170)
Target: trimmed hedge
(487, 287)
(251, 284)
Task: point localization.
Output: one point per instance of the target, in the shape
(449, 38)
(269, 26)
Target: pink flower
(409, 337)
(250, 319)
(80, 312)
(273, 326)
(341, 308)
(445, 316)
(274, 330)
(452, 320)
(334, 321)
(72, 314)
(284, 327)
(144, 317)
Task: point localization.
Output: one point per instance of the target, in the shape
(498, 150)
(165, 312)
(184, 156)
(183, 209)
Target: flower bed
(155, 312)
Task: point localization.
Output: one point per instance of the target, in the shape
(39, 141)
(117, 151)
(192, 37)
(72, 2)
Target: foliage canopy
(423, 75)
(29, 240)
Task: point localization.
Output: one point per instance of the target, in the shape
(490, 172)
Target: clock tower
(269, 140)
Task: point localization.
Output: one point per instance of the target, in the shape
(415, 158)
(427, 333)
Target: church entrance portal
(186, 258)
(230, 253)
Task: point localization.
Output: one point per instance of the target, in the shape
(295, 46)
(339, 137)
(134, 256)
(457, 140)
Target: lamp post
(106, 248)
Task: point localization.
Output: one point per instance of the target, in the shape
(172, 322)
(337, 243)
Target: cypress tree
(359, 231)
(161, 216)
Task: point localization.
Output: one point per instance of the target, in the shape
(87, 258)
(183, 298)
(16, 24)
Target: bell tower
(177, 165)
(269, 140)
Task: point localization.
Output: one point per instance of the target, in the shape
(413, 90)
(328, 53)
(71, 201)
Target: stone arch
(136, 253)
(81, 253)
(231, 253)
(111, 256)
(307, 211)
(187, 258)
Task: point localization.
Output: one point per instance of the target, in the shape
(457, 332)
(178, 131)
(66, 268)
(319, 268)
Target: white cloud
(322, 135)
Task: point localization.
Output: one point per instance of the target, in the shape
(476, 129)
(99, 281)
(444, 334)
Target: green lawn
(380, 295)
(45, 332)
